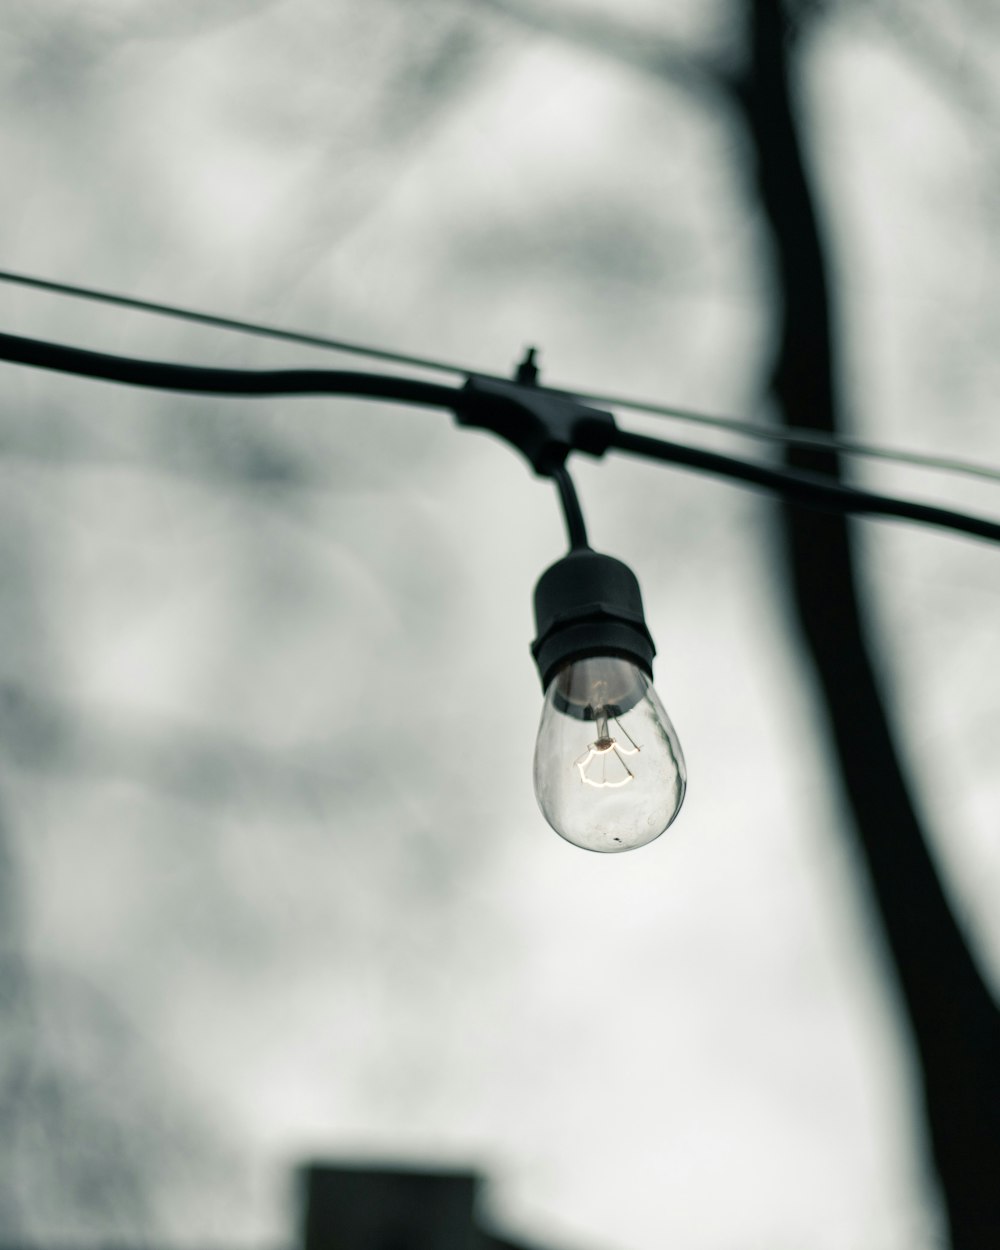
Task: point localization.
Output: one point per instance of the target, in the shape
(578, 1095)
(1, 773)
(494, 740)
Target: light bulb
(609, 772)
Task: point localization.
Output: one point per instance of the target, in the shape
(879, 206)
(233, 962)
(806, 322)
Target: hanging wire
(792, 436)
(810, 489)
(576, 528)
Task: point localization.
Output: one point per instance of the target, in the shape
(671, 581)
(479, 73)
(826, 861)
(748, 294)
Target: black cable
(576, 528)
(810, 489)
(227, 323)
(790, 436)
(155, 375)
(796, 436)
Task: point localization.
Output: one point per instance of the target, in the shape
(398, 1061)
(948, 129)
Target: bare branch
(657, 56)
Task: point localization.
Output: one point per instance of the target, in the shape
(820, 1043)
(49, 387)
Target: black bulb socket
(588, 604)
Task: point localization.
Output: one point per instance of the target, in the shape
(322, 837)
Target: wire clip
(544, 427)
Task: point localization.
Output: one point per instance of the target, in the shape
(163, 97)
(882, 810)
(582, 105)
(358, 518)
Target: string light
(791, 436)
(609, 771)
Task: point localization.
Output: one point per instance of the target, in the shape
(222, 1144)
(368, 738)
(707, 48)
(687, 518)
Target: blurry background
(272, 878)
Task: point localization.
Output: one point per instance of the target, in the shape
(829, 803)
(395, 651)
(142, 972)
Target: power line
(794, 436)
(799, 487)
(810, 489)
(228, 323)
(790, 436)
(199, 380)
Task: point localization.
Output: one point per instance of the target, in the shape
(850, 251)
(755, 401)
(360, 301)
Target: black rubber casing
(589, 604)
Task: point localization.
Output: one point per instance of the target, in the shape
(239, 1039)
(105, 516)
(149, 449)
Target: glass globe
(609, 772)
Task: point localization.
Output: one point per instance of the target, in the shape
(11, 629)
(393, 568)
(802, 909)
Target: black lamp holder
(586, 604)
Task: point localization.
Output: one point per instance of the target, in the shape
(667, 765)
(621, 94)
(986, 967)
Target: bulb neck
(589, 604)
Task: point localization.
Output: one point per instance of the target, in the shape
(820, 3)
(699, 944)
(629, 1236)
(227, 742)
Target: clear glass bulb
(609, 772)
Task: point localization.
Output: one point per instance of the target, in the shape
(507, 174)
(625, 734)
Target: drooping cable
(809, 489)
(790, 436)
(196, 379)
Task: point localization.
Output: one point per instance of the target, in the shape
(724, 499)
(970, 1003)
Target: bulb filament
(603, 749)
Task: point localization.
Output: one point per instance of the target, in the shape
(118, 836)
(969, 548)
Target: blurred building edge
(354, 1207)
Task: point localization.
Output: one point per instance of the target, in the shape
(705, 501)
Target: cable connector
(544, 427)
(589, 604)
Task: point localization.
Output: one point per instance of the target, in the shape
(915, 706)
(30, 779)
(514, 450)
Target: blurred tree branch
(955, 1026)
(661, 58)
(430, 63)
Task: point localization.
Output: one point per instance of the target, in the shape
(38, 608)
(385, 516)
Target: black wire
(228, 323)
(811, 489)
(576, 528)
(791, 436)
(796, 436)
(155, 375)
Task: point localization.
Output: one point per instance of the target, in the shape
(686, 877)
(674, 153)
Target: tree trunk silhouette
(955, 1024)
